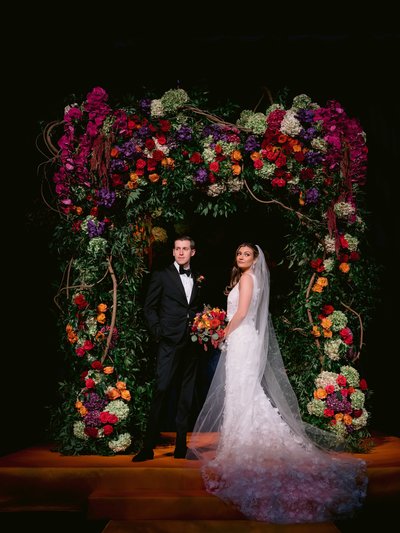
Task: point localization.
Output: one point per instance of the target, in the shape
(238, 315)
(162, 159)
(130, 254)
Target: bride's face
(244, 258)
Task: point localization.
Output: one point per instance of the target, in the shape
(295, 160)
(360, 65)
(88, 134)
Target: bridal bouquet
(208, 326)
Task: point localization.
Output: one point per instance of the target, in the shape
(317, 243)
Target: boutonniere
(199, 280)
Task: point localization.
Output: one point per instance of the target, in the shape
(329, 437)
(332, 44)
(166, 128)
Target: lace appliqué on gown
(261, 467)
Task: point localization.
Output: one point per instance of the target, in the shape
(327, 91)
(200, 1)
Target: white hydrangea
(156, 108)
(332, 348)
(257, 123)
(329, 264)
(267, 171)
(91, 324)
(96, 376)
(360, 421)
(121, 443)
(319, 144)
(215, 189)
(316, 407)
(97, 246)
(301, 101)
(344, 209)
(329, 244)
(357, 399)
(351, 374)
(118, 408)
(338, 319)
(173, 99)
(208, 154)
(79, 430)
(290, 125)
(351, 241)
(340, 430)
(326, 378)
(234, 184)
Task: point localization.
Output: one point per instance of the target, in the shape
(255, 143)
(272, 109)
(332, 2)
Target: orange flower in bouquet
(208, 326)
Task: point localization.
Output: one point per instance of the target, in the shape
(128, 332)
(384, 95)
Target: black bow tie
(184, 271)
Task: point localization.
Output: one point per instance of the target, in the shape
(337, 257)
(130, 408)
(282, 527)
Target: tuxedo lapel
(176, 280)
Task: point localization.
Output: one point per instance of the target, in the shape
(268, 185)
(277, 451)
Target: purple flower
(251, 144)
(92, 418)
(338, 403)
(312, 196)
(313, 158)
(94, 402)
(184, 134)
(95, 229)
(106, 197)
(201, 175)
(305, 115)
(128, 149)
(145, 105)
(117, 165)
(308, 134)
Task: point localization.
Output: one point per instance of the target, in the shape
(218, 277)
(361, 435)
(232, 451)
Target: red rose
(108, 429)
(196, 158)
(91, 432)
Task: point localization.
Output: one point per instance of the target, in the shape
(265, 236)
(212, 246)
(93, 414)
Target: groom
(171, 302)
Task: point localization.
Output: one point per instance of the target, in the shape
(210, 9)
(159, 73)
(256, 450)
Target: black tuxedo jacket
(166, 308)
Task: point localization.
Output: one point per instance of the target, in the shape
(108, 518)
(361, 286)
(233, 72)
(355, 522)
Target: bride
(257, 454)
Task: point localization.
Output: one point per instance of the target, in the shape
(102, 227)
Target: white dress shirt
(187, 282)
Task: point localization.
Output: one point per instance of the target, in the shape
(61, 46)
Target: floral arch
(119, 174)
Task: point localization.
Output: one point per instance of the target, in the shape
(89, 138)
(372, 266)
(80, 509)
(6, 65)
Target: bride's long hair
(236, 272)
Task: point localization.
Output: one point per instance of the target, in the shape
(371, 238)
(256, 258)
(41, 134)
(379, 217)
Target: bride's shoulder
(247, 277)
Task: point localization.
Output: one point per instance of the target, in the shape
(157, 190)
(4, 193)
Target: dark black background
(52, 57)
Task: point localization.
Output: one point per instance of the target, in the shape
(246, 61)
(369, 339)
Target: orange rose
(120, 385)
(327, 333)
(113, 393)
(326, 323)
(344, 267)
(101, 318)
(315, 331)
(317, 288)
(108, 369)
(78, 404)
(347, 419)
(102, 308)
(236, 155)
(320, 393)
(236, 170)
(154, 177)
(255, 155)
(339, 416)
(126, 395)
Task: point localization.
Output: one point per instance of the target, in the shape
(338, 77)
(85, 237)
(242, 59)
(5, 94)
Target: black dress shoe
(143, 455)
(180, 452)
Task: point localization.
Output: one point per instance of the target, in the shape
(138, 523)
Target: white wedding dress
(251, 457)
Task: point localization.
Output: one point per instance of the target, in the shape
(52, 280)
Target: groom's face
(182, 252)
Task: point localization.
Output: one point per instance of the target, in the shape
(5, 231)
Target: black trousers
(176, 366)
